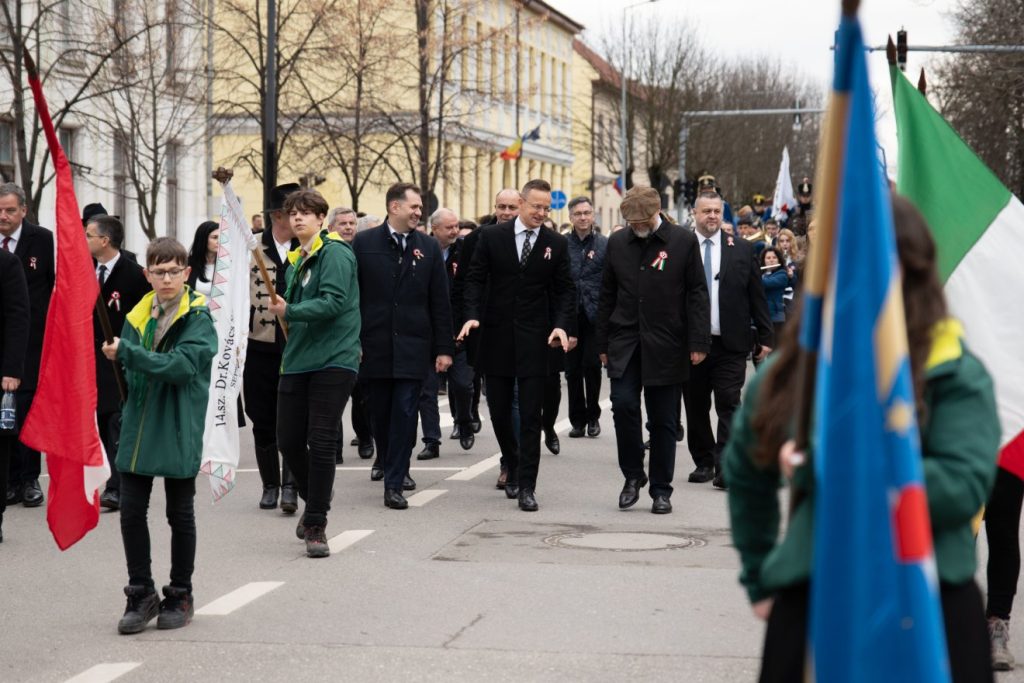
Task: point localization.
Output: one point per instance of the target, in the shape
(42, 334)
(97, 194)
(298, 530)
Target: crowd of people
(388, 314)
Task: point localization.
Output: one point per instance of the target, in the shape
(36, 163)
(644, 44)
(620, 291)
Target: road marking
(238, 598)
(350, 468)
(102, 673)
(424, 497)
(347, 538)
(476, 470)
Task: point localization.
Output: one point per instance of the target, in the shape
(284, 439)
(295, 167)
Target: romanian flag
(875, 612)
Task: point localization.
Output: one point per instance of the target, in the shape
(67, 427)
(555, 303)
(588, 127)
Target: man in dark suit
(91, 211)
(653, 323)
(738, 304)
(406, 329)
(33, 245)
(521, 297)
(14, 317)
(122, 285)
(263, 358)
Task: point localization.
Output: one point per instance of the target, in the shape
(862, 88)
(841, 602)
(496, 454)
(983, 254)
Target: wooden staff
(223, 176)
(108, 336)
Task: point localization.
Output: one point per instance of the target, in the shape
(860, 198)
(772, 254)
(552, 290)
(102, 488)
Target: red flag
(62, 421)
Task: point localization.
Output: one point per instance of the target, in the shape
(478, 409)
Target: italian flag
(978, 226)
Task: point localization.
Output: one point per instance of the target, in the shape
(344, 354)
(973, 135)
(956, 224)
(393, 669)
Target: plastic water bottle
(8, 412)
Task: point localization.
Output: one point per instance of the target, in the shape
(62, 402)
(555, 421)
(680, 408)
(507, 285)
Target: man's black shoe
(527, 501)
(376, 471)
(661, 506)
(289, 499)
(353, 442)
(111, 499)
(455, 432)
(647, 445)
(429, 452)
(408, 484)
(395, 500)
(719, 482)
(502, 479)
(476, 424)
(512, 490)
(143, 605)
(551, 442)
(631, 492)
(176, 609)
(13, 494)
(32, 495)
(593, 428)
(365, 448)
(679, 432)
(576, 432)
(316, 542)
(269, 499)
(701, 475)
(339, 458)
(467, 440)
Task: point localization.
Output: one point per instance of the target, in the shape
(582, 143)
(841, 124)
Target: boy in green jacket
(167, 347)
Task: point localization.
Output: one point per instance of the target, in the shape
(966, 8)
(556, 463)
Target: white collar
(521, 227)
(109, 264)
(716, 239)
(16, 235)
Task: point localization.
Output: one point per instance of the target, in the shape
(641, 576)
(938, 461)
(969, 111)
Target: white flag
(783, 201)
(229, 305)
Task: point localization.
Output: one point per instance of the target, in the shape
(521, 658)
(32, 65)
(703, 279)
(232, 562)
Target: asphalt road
(462, 586)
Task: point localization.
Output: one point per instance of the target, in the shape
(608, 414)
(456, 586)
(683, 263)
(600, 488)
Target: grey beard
(642, 234)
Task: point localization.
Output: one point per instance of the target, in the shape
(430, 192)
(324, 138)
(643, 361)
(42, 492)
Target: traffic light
(677, 190)
(690, 191)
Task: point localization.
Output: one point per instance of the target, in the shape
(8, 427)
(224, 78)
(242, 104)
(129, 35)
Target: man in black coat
(122, 285)
(740, 324)
(263, 357)
(33, 245)
(406, 330)
(14, 316)
(652, 326)
(520, 297)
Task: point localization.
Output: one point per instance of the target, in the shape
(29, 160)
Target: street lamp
(622, 77)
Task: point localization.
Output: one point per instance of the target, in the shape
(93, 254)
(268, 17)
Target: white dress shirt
(521, 231)
(716, 267)
(282, 249)
(405, 236)
(109, 264)
(14, 237)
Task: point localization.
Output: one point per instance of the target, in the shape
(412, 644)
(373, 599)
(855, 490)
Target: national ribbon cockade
(659, 262)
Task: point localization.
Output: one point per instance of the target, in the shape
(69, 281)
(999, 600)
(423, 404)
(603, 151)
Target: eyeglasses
(581, 214)
(540, 208)
(168, 274)
(93, 235)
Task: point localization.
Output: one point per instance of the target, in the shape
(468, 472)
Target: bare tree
(982, 95)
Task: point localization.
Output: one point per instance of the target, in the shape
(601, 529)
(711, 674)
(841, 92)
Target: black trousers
(721, 374)
(552, 401)
(460, 390)
(26, 463)
(181, 494)
(661, 404)
(1002, 529)
(583, 376)
(110, 435)
(360, 416)
(478, 384)
(785, 642)
(259, 388)
(308, 418)
(521, 452)
(393, 404)
(430, 414)
(7, 440)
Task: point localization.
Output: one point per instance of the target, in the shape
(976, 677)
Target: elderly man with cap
(263, 359)
(653, 323)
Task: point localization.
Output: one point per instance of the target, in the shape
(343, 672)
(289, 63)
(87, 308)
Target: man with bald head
(506, 205)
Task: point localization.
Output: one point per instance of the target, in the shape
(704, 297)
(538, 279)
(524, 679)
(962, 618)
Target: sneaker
(999, 636)
(176, 609)
(316, 542)
(142, 606)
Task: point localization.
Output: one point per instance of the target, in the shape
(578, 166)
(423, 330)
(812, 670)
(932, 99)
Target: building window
(171, 174)
(171, 20)
(120, 181)
(6, 151)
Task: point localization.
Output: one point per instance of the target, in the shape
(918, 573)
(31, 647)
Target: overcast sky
(798, 32)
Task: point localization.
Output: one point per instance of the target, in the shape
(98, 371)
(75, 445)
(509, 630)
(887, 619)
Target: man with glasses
(582, 366)
(520, 294)
(653, 323)
(122, 285)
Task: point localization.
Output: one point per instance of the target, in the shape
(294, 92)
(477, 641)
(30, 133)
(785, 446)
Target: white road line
(476, 470)
(347, 538)
(102, 673)
(424, 497)
(238, 598)
(349, 468)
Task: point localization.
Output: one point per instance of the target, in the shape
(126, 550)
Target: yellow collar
(139, 315)
(946, 344)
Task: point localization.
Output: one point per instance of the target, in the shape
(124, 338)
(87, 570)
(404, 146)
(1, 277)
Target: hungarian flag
(783, 201)
(978, 225)
(62, 421)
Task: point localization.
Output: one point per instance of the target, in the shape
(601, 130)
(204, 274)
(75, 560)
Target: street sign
(558, 200)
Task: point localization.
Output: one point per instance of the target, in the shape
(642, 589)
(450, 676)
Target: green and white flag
(978, 225)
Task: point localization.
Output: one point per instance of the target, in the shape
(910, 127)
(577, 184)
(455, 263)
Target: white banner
(783, 201)
(229, 304)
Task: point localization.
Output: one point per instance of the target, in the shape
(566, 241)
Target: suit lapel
(412, 243)
(540, 243)
(726, 261)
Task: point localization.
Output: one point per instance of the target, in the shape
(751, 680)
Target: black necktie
(526, 250)
(400, 239)
(103, 274)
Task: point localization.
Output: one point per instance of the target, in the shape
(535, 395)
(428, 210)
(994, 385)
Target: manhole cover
(628, 541)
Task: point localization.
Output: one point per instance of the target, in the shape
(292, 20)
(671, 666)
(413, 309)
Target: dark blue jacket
(586, 263)
(403, 298)
(775, 284)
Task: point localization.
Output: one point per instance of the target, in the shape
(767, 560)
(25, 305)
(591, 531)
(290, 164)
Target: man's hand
(790, 458)
(467, 328)
(603, 357)
(697, 357)
(765, 350)
(10, 383)
(573, 342)
(442, 363)
(278, 307)
(109, 350)
(762, 608)
(558, 338)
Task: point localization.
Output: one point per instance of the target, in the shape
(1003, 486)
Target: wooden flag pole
(108, 336)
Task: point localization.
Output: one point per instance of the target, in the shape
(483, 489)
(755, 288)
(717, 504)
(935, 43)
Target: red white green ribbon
(659, 262)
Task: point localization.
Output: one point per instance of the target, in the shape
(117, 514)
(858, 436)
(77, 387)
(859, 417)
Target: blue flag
(875, 613)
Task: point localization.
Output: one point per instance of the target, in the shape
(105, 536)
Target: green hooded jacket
(162, 430)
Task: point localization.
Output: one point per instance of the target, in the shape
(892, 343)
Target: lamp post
(622, 77)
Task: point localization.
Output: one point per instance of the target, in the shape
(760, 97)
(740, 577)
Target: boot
(289, 491)
(142, 606)
(267, 461)
(176, 609)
